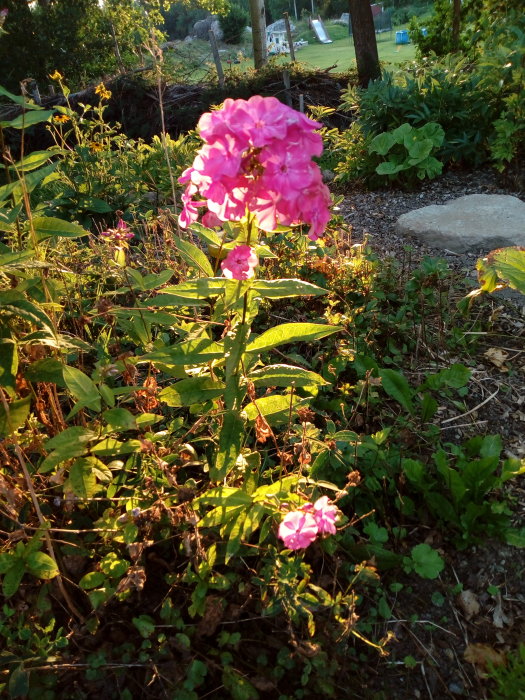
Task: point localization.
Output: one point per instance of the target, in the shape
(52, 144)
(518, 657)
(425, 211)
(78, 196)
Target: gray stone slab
(476, 223)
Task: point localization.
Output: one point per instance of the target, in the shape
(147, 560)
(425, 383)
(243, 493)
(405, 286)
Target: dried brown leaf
(483, 655)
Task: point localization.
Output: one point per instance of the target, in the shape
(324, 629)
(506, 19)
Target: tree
(365, 43)
(260, 52)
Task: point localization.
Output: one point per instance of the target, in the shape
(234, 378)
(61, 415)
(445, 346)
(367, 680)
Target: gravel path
(375, 213)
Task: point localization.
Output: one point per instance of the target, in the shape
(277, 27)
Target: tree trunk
(364, 41)
(258, 18)
(456, 22)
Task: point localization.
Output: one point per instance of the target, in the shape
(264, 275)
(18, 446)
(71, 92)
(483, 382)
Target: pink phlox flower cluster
(120, 233)
(257, 156)
(299, 528)
(240, 262)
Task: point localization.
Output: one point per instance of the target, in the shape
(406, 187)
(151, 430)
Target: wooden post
(216, 58)
(289, 35)
(301, 103)
(258, 19)
(287, 92)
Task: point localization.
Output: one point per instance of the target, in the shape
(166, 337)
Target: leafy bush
(408, 152)
(447, 92)
(234, 24)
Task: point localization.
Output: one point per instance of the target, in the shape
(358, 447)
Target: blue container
(402, 36)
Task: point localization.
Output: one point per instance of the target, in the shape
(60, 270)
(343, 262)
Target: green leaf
(46, 370)
(510, 266)
(382, 143)
(92, 580)
(29, 311)
(8, 365)
(290, 333)
(234, 536)
(194, 293)
(238, 687)
(419, 150)
(414, 471)
(19, 100)
(454, 377)
(19, 682)
(189, 391)
(491, 446)
(286, 375)
(42, 565)
(389, 168)
(282, 288)
(426, 561)
(82, 388)
(15, 417)
(276, 408)
(208, 235)
(82, 480)
(36, 160)
(48, 226)
(221, 515)
(120, 419)
(193, 256)
(230, 442)
(70, 438)
(110, 447)
(515, 537)
(154, 280)
(190, 352)
(12, 577)
(28, 119)
(145, 625)
(226, 495)
(396, 386)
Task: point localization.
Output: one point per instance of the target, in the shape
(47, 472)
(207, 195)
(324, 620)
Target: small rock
(473, 223)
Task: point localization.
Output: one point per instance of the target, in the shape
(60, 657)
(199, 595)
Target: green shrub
(233, 24)
(407, 152)
(447, 92)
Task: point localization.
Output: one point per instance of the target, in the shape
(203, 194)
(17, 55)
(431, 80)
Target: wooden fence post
(216, 58)
(289, 35)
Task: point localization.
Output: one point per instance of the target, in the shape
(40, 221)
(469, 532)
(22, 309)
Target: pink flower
(120, 233)
(324, 515)
(239, 263)
(257, 155)
(210, 220)
(298, 529)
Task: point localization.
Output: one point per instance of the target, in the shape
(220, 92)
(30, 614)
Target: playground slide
(320, 31)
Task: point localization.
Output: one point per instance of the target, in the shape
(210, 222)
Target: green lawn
(194, 60)
(341, 51)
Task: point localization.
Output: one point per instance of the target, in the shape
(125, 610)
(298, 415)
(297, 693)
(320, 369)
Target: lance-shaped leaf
(192, 293)
(14, 417)
(290, 333)
(190, 352)
(189, 391)
(48, 226)
(83, 389)
(230, 442)
(396, 386)
(28, 119)
(193, 256)
(286, 375)
(276, 408)
(282, 288)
